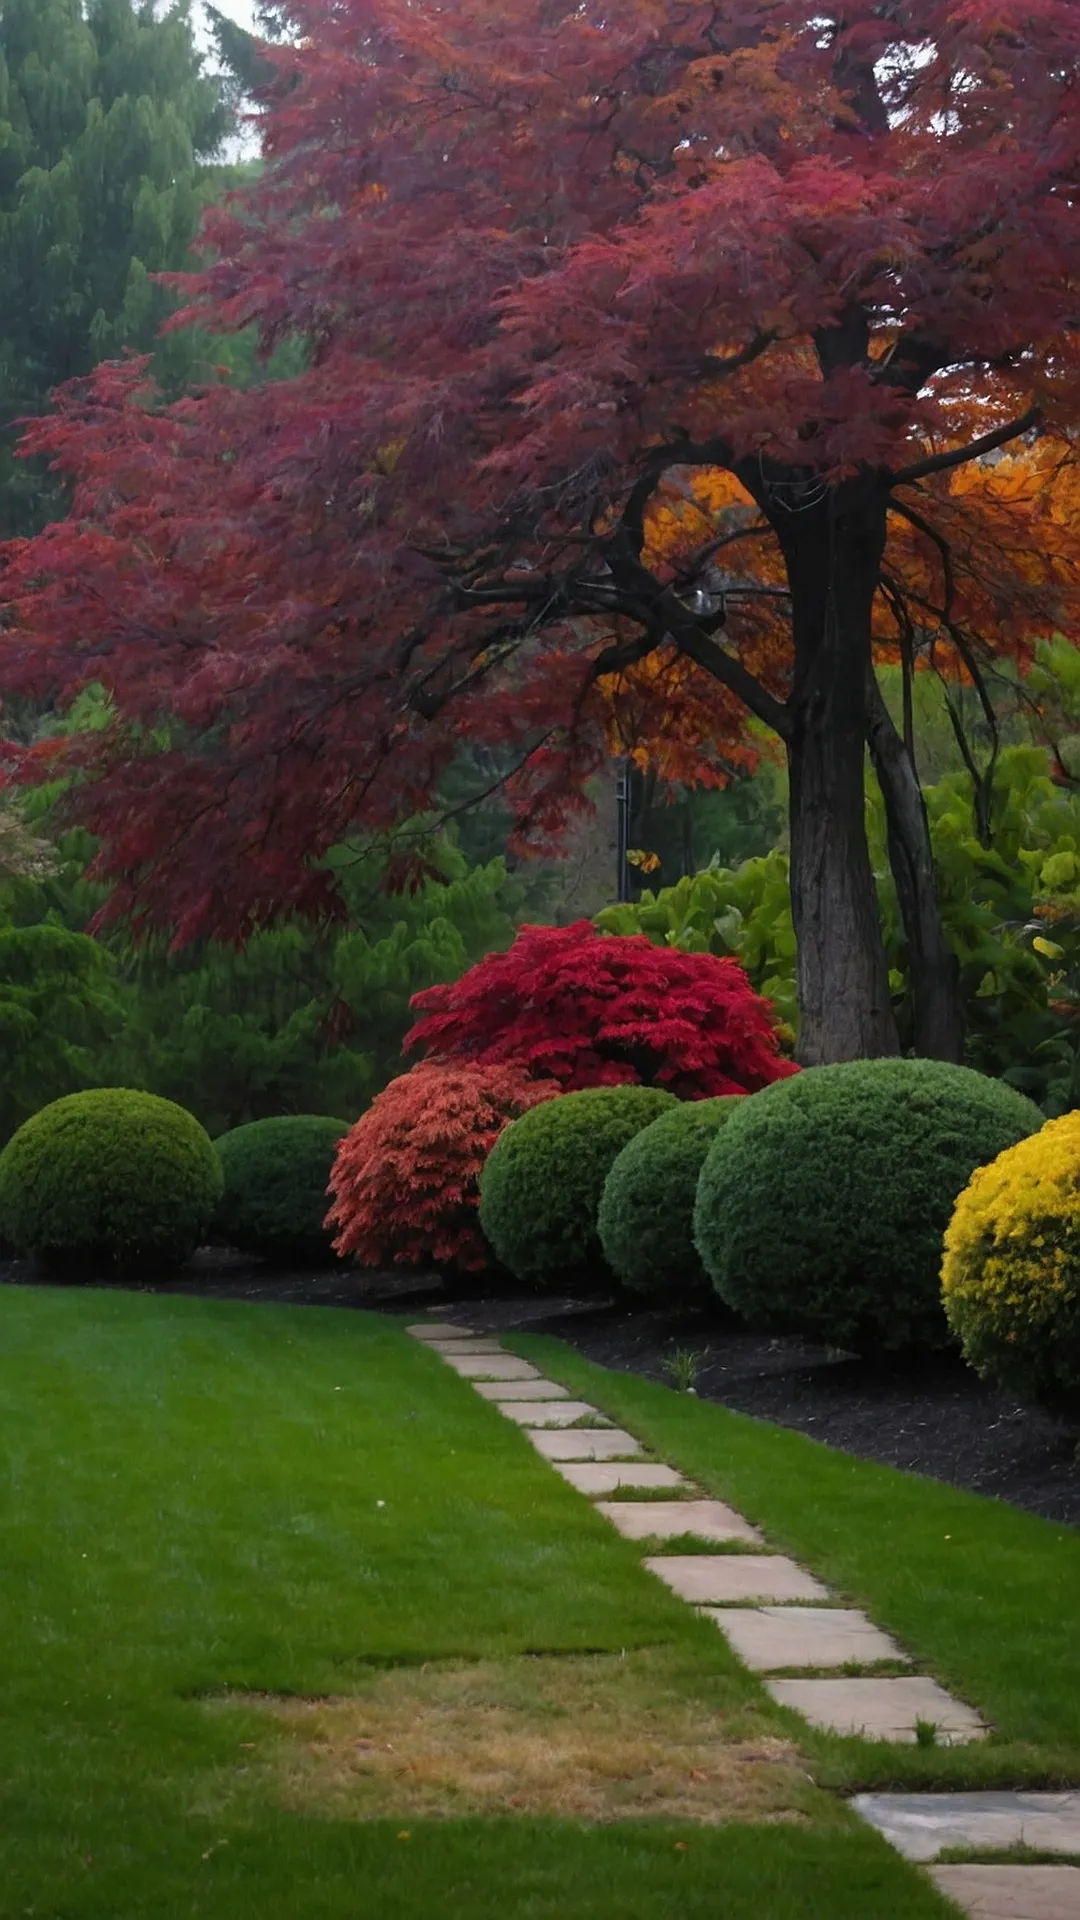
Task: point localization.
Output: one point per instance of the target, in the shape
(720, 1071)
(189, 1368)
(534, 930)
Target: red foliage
(600, 1010)
(405, 1177)
(552, 263)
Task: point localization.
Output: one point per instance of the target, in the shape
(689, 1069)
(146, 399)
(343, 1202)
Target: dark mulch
(934, 1418)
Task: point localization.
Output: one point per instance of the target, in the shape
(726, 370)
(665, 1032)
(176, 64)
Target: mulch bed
(935, 1418)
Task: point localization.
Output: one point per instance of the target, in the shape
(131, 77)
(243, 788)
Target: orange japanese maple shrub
(405, 1180)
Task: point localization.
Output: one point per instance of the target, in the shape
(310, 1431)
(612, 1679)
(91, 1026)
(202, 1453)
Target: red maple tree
(405, 1181)
(553, 262)
(588, 1009)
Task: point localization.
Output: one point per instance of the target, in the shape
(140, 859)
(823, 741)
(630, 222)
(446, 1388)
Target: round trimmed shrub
(276, 1197)
(822, 1204)
(646, 1217)
(109, 1177)
(406, 1178)
(540, 1189)
(1011, 1274)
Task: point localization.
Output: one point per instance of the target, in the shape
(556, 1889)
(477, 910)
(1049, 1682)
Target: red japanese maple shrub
(405, 1180)
(599, 1010)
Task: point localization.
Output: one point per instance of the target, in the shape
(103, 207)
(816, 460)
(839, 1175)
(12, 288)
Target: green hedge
(109, 1177)
(823, 1203)
(646, 1217)
(541, 1185)
(275, 1201)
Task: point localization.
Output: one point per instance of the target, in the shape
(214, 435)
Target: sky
(242, 11)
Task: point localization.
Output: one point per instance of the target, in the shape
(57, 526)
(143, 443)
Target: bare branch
(915, 519)
(982, 780)
(680, 452)
(626, 653)
(713, 365)
(662, 606)
(959, 457)
(730, 672)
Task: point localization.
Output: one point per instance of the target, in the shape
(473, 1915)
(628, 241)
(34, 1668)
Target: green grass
(204, 1497)
(983, 1596)
(1018, 1856)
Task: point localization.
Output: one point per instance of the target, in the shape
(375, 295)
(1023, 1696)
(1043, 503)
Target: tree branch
(626, 653)
(959, 457)
(982, 781)
(915, 519)
(711, 365)
(730, 672)
(675, 453)
(660, 607)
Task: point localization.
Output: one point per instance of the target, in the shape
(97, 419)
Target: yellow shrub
(1011, 1273)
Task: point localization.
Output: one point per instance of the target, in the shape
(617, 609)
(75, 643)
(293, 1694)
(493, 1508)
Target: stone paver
(668, 1519)
(883, 1709)
(766, 1638)
(586, 1443)
(603, 1476)
(922, 1825)
(1013, 1893)
(503, 1390)
(439, 1330)
(547, 1413)
(478, 1344)
(710, 1579)
(491, 1366)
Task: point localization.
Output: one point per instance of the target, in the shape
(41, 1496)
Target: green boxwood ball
(822, 1205)
(109, 1177)
(646, 1217)
(541, 1184)
(276, 1177)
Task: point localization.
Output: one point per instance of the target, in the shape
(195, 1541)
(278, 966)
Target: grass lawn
(295, 1624)
(985, 1597)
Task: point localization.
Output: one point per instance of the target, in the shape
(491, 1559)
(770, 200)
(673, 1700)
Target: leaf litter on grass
(595, 1737)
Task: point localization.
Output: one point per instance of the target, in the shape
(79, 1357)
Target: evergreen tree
(247, 67)
(303, 1019)
(110, 132)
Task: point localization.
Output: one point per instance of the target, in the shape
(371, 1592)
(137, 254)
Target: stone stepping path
(922, 1825)
(529, 1390)
(758, 1600)
(604, 1476)
(1012, 1893)
(880, 1709)
(493, 1366)
(550, 1413)
(672, 1519)
(768, 1639)
(585, 1443)
(712, 1579)
(466, 1346)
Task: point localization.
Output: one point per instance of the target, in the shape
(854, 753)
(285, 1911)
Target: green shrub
(109, 1177)
(822, 1204)
(542, 1182)
(646, 1217)
(277, 1173)
(1011, 1274)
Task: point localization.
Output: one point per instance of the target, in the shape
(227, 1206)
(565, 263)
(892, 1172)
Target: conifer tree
(110, 131)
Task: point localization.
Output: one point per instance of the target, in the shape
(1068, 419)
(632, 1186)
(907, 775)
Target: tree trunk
(833, 549)
(933, 973)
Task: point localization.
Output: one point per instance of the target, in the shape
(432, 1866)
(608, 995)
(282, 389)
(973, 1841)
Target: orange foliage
(405, 1181)
(999, 571)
